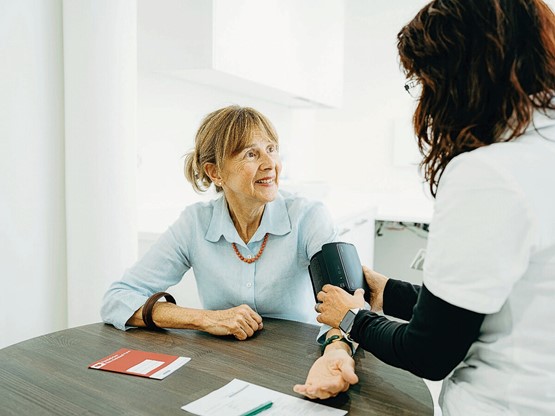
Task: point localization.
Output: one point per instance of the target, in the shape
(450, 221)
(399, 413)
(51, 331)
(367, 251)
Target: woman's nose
(268, 161)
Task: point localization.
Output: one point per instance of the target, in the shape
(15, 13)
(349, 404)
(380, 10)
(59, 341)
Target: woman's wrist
(167, 315)
(199, 319)
(336, 341)
(377, 303)
(339, 346)
(148, 308)
(376, 283)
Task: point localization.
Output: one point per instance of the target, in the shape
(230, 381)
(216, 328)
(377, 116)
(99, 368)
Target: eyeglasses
(414, 88)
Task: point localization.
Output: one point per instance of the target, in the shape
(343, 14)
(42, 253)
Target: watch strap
(347, 322)
(335, 338)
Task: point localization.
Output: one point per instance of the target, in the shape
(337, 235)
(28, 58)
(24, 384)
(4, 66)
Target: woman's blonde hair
(221, 135)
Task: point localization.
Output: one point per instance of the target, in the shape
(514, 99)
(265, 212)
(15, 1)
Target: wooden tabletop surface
(48, 375)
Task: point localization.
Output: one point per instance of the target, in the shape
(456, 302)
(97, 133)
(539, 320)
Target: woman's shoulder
(199, 211)
(300, 206)
(504, 159)
(517, 167)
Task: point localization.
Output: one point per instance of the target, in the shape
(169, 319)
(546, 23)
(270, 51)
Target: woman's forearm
(399, 298)
(430, 346)
(168, 315)
(240, 321)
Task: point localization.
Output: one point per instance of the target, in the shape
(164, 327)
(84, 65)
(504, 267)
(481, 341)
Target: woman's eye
(272, 149)
(251, 154)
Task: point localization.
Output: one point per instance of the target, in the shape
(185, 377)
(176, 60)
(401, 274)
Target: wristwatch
(347, 322)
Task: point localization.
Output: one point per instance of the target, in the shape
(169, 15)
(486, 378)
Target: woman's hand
(376, 282)
(335, 303)
(241, 322)
(331, 374)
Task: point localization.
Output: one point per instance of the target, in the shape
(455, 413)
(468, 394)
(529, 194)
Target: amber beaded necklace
(252, 260)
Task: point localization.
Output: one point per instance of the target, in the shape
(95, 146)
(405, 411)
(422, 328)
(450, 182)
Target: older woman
(485, 122)
(249, 248)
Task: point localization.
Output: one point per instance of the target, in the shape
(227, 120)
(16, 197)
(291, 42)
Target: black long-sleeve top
(433, 342)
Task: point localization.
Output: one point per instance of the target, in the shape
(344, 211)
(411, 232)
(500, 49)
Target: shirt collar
(541, 120)
(275, 220)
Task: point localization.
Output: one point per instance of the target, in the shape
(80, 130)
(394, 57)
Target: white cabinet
(397, 246)
(287, 51)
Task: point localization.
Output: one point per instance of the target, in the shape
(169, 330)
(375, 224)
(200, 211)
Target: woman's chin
(269, 195)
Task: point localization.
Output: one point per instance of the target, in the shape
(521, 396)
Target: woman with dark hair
(485, 123)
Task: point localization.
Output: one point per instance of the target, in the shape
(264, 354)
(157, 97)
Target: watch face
(347, 322)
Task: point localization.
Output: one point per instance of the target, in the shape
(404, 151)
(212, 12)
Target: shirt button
(249, 284)
(249, 256)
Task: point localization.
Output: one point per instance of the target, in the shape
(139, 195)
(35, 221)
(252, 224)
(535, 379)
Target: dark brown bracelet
(147, 309)
(334, 338)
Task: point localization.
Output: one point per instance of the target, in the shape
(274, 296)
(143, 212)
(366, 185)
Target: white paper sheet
(238, 397)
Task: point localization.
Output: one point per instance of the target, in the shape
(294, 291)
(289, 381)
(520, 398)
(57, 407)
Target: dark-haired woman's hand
(376, 282)
(335, 303)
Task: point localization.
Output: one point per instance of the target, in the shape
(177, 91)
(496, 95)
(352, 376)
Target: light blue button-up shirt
(277, 285)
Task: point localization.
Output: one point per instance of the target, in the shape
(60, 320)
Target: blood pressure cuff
(337, 264)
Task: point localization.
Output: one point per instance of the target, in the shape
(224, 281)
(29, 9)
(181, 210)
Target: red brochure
(140, 363)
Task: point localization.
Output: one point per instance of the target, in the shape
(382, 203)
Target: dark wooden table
(48, 375)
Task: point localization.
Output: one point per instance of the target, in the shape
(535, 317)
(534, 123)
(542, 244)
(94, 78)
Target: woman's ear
(212, 171)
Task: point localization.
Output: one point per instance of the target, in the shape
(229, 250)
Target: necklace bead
(251, 260)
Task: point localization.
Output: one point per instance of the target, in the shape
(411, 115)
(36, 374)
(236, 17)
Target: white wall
(68, 162)
(356, 141)
(169, 113)
(100, 84)
(347, 147)
(32, 212)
